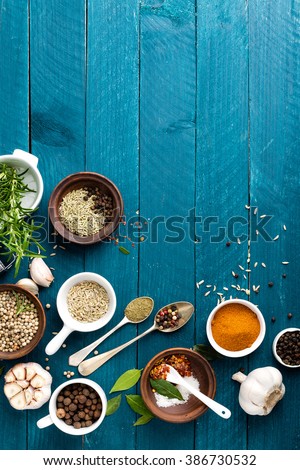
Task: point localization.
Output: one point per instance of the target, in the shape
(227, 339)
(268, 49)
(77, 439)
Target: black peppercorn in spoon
(185, 309)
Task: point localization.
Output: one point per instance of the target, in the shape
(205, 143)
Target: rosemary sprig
(17, 232)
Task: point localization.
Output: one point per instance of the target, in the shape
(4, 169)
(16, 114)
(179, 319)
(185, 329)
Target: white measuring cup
(70, 324)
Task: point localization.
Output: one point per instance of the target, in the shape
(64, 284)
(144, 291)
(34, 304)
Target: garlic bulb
(260, 390)
(40, 272)
(27, 386)
(29, 284)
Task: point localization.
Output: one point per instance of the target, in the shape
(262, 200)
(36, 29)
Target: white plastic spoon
(175, 378)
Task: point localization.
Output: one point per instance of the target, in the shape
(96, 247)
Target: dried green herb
(17, 232)
(113, 405)
(137, 404)
(207, 351)
(127, 380)
(124, 250)
(165, 388)
(21, 306)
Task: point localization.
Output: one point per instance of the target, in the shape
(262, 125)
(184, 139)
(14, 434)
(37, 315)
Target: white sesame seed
(225, 288)
(263, 265)
(220, 293)
(215, 288)
(201, 282)
(245, 277)
(285, 262)
(239, 241)
(247, 291)
(276, 238)
(263, 216)
(255, 264)
(241, 267)
(248, 260)
(255, 210)
(52, 269)
(233, 273)
(247, 207)
(284, 227)
(62, 247)
(55, 246)
(207, 293)
(208, 285)
(248, 270)
(52, 254)
(257, 232)
(253, 288)
(234, 287)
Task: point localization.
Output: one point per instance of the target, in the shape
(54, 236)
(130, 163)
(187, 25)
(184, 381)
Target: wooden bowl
(41, 328)
(77, 181)
(193, 408)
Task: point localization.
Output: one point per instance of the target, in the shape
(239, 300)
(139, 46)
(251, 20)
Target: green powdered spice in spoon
(139, 309)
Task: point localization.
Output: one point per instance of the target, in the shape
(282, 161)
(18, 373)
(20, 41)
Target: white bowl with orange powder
(235, 328)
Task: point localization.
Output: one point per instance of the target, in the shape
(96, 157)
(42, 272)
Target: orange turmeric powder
(235, 327)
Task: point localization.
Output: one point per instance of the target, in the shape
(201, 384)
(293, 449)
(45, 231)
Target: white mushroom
(27, 386)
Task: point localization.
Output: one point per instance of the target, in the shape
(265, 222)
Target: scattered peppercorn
(228, 243)
(284, 275)
(273, 319)
(288, 348)
(290, 315)
(79, 405)
(270, 284)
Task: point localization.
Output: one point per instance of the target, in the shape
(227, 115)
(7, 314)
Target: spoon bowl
(76, 358)
(186, 310)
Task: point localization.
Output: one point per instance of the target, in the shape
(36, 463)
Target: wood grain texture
(112, 150)
(167, 166)
(14, 133)
(58, 84)
(221, 191)
(14, 70)
(274, 150)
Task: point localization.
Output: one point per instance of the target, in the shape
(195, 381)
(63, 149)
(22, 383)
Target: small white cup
(243, 352)
(275, 344)
(70, 324)
(51, 418)
(26, 161)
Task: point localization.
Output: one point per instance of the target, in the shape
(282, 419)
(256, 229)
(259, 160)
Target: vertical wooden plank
(167, 159)
(112, 150)
(14, 105)
(275, 160)
(57, 71)
(222, 190)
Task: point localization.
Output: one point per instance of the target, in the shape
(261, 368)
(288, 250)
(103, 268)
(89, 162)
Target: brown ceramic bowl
(42, 323)
(77, 181)
(193, 408)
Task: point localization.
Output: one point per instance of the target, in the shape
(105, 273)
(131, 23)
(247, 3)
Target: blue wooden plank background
(192, 109)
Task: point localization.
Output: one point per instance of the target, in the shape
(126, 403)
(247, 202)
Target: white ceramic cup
(26, 161)
(243, 352)
(51, 418)
(275, 344)
(70, 324)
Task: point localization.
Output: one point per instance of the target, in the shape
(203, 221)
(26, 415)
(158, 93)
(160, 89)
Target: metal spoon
(78, 357)
(174, 377)
(186, 310)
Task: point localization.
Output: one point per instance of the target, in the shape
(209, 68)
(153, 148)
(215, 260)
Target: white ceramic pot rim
(25, 160)
(59, 423)
(275, 343)
(243, 352)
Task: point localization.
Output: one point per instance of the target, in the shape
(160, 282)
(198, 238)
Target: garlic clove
(11, 389)
(29, 284)
(9, 377)
(38, 395)
(23, 383)
(19, 372)
(18, 401)
(40, 272)
(30, 373)
(37, 382)
(28, 396)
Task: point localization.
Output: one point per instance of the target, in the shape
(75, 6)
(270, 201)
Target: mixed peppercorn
(168, 318)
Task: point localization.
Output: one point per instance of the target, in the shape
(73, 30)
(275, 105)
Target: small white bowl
(70, 324)
(242, 352)
(51, 418)
(26, 161)
(275, 344)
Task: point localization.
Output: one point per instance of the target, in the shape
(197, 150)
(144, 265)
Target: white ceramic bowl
(275, 344)
(51, 418)
(242, 352)
(26, 161)
(70, 324)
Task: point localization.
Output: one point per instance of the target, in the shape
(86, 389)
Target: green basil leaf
(144, 419)
(165, 388)
(207, 351)
(124, 250)
(127, 380)
(137, 404)
(113, 405)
